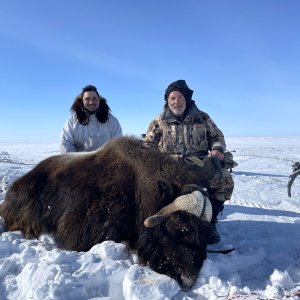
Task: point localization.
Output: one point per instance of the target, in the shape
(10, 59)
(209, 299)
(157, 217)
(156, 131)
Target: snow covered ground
(260, 221)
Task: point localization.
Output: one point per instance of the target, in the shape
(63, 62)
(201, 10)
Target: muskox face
(175, 238)
(177, 247)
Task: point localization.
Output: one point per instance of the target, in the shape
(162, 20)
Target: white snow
(260, 221)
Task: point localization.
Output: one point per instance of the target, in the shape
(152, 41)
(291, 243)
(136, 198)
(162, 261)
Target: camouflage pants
(221, 188)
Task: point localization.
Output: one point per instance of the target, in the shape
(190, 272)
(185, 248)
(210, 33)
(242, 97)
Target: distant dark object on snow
(296, 172)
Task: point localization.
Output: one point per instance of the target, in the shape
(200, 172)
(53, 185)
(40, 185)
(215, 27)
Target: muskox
(121, 192)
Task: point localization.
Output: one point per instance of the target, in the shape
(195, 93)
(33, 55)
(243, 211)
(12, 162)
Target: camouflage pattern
(195, 135)
(228, 161)
(221, 188)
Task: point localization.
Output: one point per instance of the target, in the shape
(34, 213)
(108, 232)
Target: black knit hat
(180, 86)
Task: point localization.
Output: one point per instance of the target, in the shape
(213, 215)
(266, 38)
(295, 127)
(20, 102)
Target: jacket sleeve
(67, 143)
(153, 135)
(115, 127)
(215, 136)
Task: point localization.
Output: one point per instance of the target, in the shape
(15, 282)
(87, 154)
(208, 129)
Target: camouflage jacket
(195, 135)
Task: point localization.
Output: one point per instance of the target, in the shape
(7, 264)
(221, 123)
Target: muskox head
(176, 238)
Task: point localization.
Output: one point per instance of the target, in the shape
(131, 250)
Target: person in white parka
(91, 124)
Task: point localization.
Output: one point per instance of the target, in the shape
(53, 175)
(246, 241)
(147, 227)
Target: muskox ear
(165, 189)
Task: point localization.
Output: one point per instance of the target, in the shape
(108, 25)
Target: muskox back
(87, 198)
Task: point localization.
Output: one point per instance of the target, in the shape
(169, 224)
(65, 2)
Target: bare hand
(217, 153)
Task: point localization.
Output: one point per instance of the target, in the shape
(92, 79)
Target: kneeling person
(183, 130)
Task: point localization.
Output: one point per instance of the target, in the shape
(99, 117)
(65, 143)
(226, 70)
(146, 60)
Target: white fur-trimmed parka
(77, 137)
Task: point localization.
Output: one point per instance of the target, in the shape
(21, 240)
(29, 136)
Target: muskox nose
(187, 282)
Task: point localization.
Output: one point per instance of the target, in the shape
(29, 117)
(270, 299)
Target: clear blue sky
(241, 58)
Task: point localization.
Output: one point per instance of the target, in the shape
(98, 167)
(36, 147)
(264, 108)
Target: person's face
(176, 103)
(90, 100)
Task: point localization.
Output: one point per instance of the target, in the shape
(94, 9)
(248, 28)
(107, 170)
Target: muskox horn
(194, 203)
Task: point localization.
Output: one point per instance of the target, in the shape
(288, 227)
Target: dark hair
(89, 88)
(82, 113)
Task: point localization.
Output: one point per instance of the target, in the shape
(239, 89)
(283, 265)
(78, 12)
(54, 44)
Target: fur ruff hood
(83, 115)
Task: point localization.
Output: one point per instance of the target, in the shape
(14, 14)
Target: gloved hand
(206, 167)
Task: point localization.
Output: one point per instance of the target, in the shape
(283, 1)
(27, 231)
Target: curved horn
(194, 203)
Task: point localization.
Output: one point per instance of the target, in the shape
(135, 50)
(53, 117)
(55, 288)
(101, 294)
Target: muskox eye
(185, 229)
(182, 227)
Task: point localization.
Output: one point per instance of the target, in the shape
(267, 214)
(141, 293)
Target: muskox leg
(20, 220)
(21, 208)
(71, 235)
(80, 228)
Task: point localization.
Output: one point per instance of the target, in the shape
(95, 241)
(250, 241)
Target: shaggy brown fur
(85, 199)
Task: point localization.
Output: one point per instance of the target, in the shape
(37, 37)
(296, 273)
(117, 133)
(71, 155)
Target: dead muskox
(120, 192)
